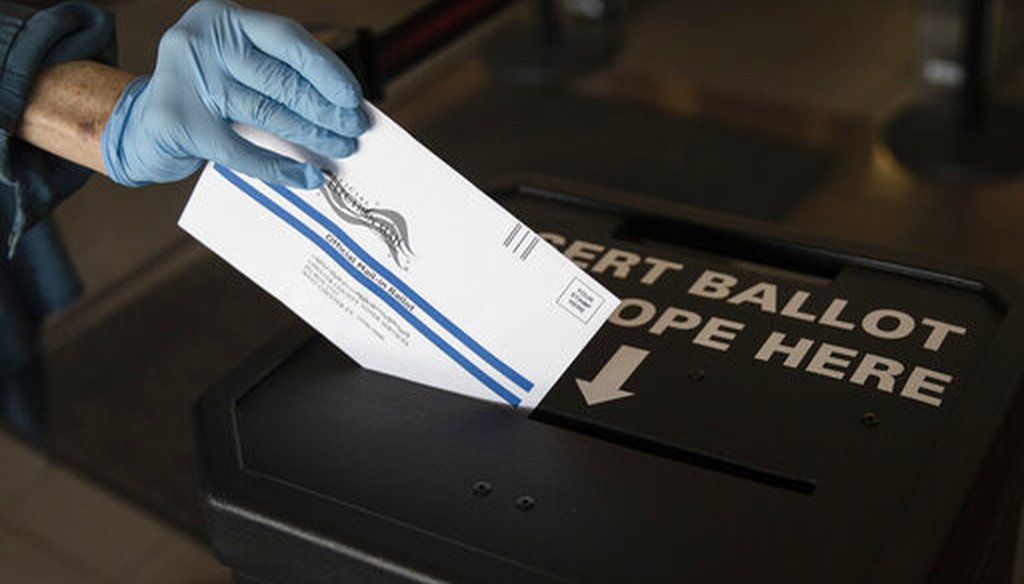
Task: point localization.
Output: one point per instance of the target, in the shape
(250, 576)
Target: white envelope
(406, 267)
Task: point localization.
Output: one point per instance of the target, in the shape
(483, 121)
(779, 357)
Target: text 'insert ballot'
(406, 267)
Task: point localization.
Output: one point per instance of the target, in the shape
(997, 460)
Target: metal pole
(974, 93)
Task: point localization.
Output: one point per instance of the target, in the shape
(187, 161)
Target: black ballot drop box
(760, 408)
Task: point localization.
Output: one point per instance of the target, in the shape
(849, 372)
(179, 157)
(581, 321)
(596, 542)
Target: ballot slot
(771, 256)
(696, 458)
(768, 257)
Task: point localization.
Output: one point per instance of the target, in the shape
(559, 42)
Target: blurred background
(890, 123)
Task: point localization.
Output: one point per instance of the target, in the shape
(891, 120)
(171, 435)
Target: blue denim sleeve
(35, 275)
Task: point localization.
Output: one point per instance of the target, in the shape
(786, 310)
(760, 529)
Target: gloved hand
(221, 64)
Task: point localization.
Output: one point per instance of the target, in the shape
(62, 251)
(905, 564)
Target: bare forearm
(68, 107)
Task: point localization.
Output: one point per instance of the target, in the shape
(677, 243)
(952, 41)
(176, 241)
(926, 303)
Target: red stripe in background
(423, 30)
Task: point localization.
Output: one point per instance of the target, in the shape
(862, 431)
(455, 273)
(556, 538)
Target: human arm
(68, 107)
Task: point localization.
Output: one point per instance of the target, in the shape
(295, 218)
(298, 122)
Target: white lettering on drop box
(406, 267)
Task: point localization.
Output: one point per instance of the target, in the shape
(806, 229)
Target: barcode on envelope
(520, 241)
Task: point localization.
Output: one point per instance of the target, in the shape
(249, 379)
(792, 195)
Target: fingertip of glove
(312, 178)
(351, 123)
(361, 121)
(298, 175)
(342, 148)
(349, 95)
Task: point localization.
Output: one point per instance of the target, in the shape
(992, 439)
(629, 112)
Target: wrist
(68, 107)
(116, 156)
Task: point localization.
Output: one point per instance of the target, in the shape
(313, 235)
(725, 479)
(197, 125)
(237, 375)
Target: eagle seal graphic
(387, 224)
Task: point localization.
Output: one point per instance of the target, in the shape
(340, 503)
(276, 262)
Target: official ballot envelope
(406, 266)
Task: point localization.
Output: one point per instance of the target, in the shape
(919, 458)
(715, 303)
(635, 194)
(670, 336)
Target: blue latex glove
(221, 64)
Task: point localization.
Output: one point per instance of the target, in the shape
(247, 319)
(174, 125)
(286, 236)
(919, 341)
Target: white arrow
(607, 386)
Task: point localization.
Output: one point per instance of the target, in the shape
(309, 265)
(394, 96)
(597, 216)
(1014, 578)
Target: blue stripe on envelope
(448, 325)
